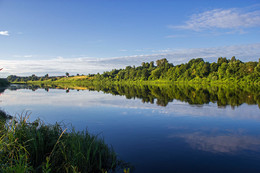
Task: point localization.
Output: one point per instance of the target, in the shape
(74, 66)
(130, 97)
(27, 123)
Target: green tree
(222, 70)
(145, 74)
(233, 59)
(257, 68)
(161, 62)
(222, 60)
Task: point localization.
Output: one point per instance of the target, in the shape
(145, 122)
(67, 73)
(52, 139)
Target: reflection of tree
(192, 94)
(2, 90)
(24, 86)
(163, 94)
(222, 95)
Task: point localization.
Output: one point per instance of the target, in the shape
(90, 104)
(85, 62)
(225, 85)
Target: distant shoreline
(196, 71)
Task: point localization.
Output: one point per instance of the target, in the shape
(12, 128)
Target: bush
(37, 147)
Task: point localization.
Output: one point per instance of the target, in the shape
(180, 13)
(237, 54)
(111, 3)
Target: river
(156, 129)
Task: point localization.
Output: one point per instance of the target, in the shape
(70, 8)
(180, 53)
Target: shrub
(35, 146)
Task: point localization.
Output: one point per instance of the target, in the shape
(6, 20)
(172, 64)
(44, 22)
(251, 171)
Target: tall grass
(37, 147)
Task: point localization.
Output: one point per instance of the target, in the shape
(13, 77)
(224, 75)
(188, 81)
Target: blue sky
(56, 36)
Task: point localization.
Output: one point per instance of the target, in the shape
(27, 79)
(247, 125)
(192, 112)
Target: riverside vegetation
(36, 147)
(224, 71)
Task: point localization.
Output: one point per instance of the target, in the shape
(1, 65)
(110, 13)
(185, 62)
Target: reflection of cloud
(59, 65)
(89, 99)
(222, 143)
(222, 18)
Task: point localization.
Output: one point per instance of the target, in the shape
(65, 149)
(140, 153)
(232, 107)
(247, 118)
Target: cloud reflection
(84, 99)
(226, 143)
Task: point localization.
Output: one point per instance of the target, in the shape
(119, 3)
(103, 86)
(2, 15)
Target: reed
(38, 147)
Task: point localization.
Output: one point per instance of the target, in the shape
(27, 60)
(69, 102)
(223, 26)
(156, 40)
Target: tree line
(33, 77)
(196, 70)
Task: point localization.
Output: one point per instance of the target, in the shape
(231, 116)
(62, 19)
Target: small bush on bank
(37, 147)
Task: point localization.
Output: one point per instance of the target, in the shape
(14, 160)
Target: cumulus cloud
(222, 18)
(60, 65)
(5, 33)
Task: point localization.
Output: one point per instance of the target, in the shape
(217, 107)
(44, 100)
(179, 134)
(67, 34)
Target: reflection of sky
(175, 138)
(224, 143)
(93, 98)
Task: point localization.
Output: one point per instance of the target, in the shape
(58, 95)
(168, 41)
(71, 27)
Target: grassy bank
(81, 81)
(37, 147)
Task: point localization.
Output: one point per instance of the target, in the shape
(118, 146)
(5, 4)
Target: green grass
(38, 147)
(85, 80)
(4, 116)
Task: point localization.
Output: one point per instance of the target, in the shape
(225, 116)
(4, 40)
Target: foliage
(36, 147)
(4, 115)
(195, 71)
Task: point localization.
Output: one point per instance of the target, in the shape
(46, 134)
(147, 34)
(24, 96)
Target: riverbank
(86, 80)
(38, 147)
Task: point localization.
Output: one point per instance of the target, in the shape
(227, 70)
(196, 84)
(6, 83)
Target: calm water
(155, 131)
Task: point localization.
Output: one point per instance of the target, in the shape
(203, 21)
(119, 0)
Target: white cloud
(222, 18)
(5, 33)
(167, 50)
(143, 49)
(123, 50)
(175, 36)
(85, 65)
(22, 56)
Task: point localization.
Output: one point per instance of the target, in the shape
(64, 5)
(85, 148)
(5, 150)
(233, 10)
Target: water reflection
(90, 98)
(224, 143)
(163, 94)
(186, 131)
